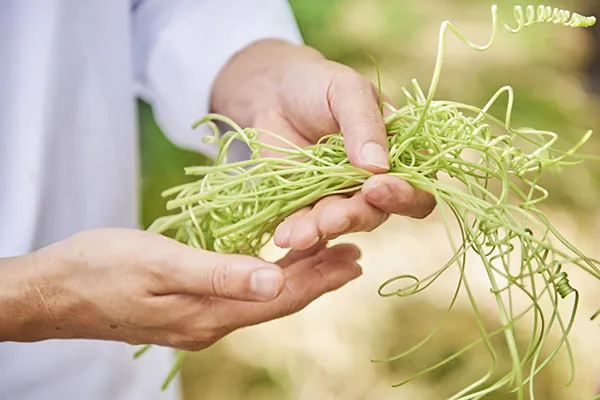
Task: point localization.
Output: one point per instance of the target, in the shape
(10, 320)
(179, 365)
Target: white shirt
(69, 72)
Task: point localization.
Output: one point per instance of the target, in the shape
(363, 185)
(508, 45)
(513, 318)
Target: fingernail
(265, 283)
(374, 154)
(376, 190)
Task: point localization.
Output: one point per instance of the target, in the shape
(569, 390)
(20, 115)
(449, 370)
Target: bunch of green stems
(491, 191)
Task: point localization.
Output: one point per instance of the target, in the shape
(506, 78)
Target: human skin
(140, 288)
(137, 287)
(303, 97)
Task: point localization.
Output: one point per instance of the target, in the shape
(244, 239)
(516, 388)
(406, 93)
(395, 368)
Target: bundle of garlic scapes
(235, 207)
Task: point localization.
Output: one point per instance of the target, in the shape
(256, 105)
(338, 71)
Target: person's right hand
(141, 288)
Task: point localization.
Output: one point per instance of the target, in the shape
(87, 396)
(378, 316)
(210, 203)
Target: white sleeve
(181, 45)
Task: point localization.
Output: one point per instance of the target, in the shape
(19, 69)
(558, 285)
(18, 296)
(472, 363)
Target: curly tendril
(542, 14)
(235, 207)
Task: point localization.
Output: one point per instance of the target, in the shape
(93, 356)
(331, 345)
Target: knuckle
(219, 277)
(355, 220)
(346, 218)
(348, 80)
(327, 200)
(371, 122)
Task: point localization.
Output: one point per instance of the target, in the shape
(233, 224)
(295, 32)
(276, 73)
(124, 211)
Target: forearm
(24, 317)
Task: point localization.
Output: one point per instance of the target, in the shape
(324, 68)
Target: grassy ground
(324, 352)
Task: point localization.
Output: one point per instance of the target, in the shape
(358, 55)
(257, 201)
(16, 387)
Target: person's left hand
(295, 92)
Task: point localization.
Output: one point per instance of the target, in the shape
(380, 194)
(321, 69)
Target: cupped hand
(295, 92)
(141, 288)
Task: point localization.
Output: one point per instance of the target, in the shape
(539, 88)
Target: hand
(140, 288)
(295, 92)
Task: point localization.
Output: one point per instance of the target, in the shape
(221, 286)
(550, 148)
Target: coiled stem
(544, 14)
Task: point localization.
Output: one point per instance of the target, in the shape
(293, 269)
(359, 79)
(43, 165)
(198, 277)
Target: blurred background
(325, 351)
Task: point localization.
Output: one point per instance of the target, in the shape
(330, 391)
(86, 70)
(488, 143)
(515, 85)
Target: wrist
(251, 79)
(25, 314)
(15, 299)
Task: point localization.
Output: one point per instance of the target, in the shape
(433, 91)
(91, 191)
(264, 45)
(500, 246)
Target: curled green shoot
(493, 195)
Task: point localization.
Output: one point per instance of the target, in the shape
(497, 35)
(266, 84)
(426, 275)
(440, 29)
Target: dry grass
(324, 352)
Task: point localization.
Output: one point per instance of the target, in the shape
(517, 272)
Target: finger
(281, 236)
(355, 108)
(294, 256)
(284, 230)
(356, 214)
(396, 196)
(182, 269)
(306, 280)
(345, 251)
(336, 217)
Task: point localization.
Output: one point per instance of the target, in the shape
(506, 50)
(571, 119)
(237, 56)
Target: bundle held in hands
(235, 208)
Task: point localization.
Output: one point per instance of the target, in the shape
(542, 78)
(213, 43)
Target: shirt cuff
(187, 50)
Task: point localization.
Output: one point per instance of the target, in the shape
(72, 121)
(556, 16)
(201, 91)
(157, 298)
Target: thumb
(204, 273)
(353, 101)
